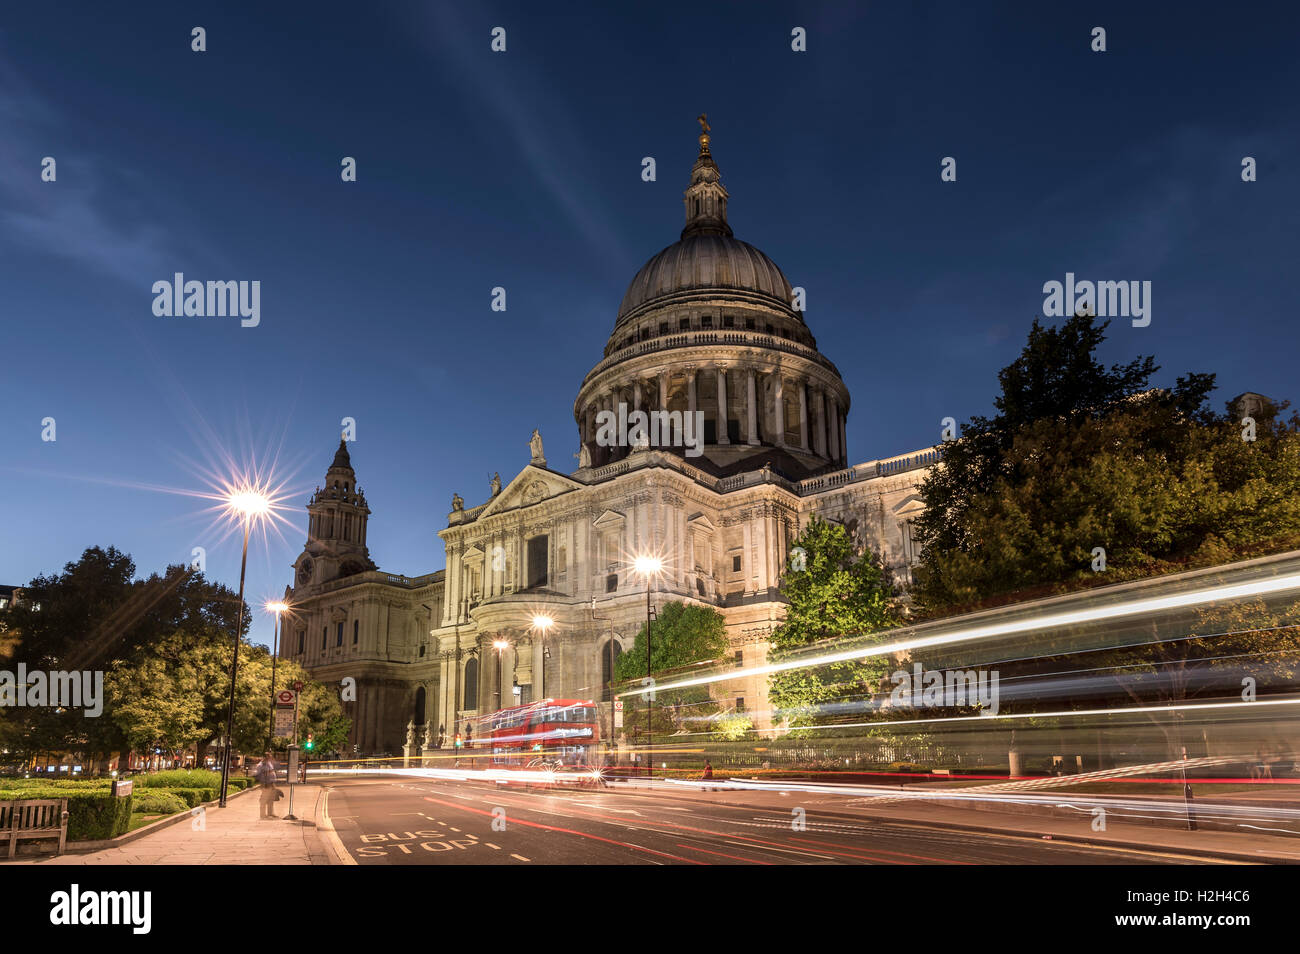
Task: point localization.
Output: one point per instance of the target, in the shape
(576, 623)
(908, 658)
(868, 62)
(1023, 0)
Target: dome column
(819, 407)
(751, 421)
(690, 391)
(780, 410)
(722, 408)
(834, 429)
(803, 415)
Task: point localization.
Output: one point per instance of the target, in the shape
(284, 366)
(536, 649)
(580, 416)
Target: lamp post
(246, 505)
(542, 624)
(648, 567)
(277, 608)
(500, 645)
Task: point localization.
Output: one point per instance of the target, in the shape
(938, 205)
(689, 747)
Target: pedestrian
(265, 775)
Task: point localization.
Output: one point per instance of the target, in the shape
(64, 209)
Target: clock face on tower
(304, 571)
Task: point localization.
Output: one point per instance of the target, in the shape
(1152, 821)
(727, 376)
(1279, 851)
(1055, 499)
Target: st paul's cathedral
(708, 325)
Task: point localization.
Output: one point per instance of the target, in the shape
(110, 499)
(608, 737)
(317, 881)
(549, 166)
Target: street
(386, 822)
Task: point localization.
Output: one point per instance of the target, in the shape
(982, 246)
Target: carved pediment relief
(701, 523)
(532, 486)
(609, 520)
(910, 506)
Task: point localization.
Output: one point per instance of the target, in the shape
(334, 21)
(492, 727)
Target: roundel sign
(286, 697)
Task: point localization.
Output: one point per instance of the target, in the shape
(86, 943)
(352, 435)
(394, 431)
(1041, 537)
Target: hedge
(91, 815)
(183, 778)
(154, 801)
(192, 797)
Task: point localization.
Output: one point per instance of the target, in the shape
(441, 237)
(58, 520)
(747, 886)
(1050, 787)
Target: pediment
(610, 519)
(909, 507)
(531, 486)
(701, 523)
(473, 553)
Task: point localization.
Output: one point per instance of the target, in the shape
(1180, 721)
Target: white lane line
(490, 845)
(520, 857)
(785, 850)
(454, 828)
(341, 853)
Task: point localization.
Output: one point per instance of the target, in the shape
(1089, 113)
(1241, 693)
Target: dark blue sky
(522, 170)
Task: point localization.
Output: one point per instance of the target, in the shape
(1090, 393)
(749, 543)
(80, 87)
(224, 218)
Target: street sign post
(618, 713)
(292, 777)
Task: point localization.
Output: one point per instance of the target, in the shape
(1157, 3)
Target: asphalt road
(411, 821)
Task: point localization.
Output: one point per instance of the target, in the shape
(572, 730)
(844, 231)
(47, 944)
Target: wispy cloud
(81, 217)
(547, 135)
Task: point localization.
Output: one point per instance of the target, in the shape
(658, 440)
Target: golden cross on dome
(703, 120)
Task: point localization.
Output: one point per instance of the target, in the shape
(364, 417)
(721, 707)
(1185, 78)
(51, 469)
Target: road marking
(331, 836)
(580, 834)
(783, 850)
(490, 845)
(520, 857)
(454, 828)
(720, 854)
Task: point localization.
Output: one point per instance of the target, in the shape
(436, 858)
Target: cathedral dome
(705, 262)
(711, 330)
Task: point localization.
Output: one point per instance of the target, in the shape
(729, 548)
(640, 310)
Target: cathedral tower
(336, 527)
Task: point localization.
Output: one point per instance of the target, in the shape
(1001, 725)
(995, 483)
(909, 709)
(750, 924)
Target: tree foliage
(837, 591)
(1081, 458)
(164, 645)
(683, 635)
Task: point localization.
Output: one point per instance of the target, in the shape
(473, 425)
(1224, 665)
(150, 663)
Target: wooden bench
(34, 818)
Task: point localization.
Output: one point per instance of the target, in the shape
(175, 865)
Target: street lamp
(277, 607)
(542, 624)
(245, 504)
(500, 645)
(648, 567)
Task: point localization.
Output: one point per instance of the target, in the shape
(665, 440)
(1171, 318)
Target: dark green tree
(683, 635)
(838, 593)
(1053, 397)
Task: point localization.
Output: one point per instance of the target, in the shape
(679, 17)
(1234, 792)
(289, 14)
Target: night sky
(523, 169)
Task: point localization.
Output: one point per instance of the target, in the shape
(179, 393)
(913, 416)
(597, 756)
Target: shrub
(91, 815)
(183, 778)
(192, 797)
(155, 801)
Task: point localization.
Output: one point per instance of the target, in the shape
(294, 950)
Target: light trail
(1141, 607)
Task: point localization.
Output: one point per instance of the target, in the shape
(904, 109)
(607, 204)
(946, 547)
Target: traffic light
(309, 745)
(459, 743)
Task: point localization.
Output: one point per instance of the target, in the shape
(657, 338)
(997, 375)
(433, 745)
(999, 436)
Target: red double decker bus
(564, 731)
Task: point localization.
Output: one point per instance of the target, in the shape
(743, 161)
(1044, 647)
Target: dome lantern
(705, 197)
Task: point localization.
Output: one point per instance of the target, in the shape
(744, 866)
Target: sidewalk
(233, 835)
(1004, 819)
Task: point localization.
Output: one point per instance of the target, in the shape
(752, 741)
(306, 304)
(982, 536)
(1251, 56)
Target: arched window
(356, 631)
(470, 696)
(419, 706)
(608, 665)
